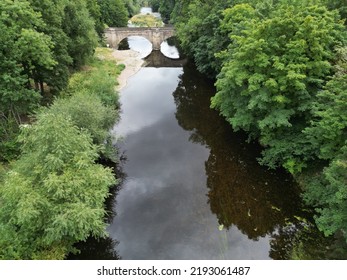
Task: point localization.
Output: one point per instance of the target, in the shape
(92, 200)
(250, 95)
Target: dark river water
(191, 187)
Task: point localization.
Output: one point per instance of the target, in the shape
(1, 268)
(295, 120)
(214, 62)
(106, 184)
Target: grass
(99, 76)
(146, 21)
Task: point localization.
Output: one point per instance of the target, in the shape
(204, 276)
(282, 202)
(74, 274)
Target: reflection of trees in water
(103, 248)
(124, 45)
(241, 192)
(158, 59)
(96, 249)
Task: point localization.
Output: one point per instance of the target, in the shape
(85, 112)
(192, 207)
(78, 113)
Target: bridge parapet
(156, 35)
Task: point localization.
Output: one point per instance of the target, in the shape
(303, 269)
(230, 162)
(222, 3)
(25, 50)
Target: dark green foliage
(9, 130)
(328, 130)
(155, 4)
(132, 6)
(23, 52)
(79, 27)
(165, 9)
(327, 191)
(199, 31)
(95, 12)
(53, 15)
(113, 13)
(340, 5)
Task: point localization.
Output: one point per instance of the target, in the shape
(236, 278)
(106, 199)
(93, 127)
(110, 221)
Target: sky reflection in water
(187, 174)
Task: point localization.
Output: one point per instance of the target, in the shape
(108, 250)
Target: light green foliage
(53, 196)
(98, 78)
(146, 21)
(87, 112)
(113, 13)
(92, 102)
(273, 69)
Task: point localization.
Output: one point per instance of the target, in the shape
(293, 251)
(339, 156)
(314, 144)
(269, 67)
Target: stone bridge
(156, 35)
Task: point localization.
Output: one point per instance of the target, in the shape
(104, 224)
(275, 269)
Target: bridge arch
(156, 35)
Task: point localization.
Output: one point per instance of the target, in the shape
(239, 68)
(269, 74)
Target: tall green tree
(198, 28)
(95, 12)
(24, 52)
(113, 13)
(52, 13)
(54, 194)
(328, 130)
(327, 192)
(79, 27)
(272, 72)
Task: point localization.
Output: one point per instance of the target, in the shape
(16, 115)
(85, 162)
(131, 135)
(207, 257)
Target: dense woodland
(281, 75)
(57, 105)
(280, 68)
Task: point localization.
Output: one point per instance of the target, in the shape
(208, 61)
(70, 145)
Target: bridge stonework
(156, 35)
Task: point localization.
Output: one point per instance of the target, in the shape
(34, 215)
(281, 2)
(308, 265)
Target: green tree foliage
(23, 52)
(79, 27)
(328, 130)
(198, 28)
(327, 191)
(91, 102)
(340, 5)
(52, 13)
(113, 13)
(54, 194)
(164, 7)
(95, 12)
(87, 112)
(155, 4)
(132, 6)
(273, 69)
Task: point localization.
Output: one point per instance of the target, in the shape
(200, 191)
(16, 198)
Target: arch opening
(139, 44)
(170, 48)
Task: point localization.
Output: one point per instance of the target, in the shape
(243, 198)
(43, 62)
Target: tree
(200, 33)
(87, 112)
(95, 12)
(54, 195)
(24, 53)
(52, 13)
(165, 9)
(79, 27)
(328, 130)
(113, 13)
(327, 191)
(132, 6)
(272, 72)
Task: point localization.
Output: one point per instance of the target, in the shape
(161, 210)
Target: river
(191, 187)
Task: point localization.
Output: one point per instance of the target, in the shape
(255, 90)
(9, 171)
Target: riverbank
(132, 61)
